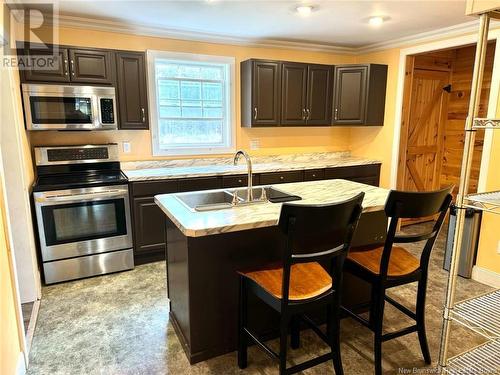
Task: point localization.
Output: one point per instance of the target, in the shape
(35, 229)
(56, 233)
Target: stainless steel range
(83, 212)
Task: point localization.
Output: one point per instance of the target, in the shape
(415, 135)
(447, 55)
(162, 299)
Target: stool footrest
(401, 332)
(308, 364)
(271, 353)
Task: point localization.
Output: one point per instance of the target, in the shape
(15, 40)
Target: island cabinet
(359, 94)
(132, 90)
(148, 221)
(305, 94)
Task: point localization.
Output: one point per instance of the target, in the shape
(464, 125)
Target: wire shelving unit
(480, 314)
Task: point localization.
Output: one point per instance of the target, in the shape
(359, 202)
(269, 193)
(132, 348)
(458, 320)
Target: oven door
(83, 221)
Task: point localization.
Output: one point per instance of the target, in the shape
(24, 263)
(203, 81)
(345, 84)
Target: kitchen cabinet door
(293, 93)
(319, 94)
(260, 93)
(132, 92)
(200, 183)
(149, 230)
(359, 94)
(59, 74)
(91, 66)
(350, 95)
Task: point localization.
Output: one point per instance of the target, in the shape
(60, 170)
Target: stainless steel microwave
(62, 107)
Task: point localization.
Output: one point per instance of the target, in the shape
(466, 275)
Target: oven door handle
(83, 197)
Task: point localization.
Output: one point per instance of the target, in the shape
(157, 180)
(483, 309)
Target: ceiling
(332, 22)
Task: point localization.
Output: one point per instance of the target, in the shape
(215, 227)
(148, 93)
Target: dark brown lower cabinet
(149, 219)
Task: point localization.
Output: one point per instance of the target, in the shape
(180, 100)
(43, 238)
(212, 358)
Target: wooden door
(131, 81)
(422, 135)
(60, 74)
(91, 66)
(349, 105)
(319, 88)
(293, 94)
(266, 93)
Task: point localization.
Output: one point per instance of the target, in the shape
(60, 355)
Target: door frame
(494, 35)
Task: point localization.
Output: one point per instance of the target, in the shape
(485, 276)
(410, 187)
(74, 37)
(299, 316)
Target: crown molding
(193, 35)
(198, 36)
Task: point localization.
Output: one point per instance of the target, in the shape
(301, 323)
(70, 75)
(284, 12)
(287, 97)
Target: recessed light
(376, 21)
(304, 10)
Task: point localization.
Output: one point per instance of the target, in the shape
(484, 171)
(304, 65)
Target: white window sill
(194, 151)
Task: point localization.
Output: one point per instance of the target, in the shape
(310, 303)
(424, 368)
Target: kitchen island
(205, 249)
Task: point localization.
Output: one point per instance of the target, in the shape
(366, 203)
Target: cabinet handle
(143, 115)
(72, 68)
(255, 113)
(65, 67)
(240, 181)
(303, 113)
(308, 114)
(336, 114)
(314, 175)
(282, 178)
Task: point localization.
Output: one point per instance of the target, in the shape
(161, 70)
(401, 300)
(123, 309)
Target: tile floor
(118, 324)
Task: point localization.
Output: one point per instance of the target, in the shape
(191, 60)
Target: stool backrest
(411, 205)
(318, 233)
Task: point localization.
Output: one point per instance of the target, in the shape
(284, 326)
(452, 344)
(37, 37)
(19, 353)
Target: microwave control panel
(107, 111)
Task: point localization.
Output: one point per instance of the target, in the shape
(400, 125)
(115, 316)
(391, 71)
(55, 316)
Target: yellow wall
(10, 345)
(272, 140)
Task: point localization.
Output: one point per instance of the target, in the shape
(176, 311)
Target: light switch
(127, 147)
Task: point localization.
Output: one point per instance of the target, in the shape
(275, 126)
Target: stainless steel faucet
(249, 167)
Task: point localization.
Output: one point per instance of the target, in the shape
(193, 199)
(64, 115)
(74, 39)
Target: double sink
(223, 199)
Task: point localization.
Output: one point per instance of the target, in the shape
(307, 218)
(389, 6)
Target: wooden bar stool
(387, 266)
(312, 233)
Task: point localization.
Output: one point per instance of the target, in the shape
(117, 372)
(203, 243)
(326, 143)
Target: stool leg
(422, 336)
(333, 332)
(283, 342)
(242, 323)
(295, 344)
(378, 302)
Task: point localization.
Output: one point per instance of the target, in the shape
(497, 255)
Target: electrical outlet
(254, 144)
(127, 147)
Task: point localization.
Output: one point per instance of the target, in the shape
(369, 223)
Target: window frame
(152, 56)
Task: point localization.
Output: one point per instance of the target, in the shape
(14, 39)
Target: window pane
(191, 104)
(168, 89)
(212, 91)
(190, 132)
(190, 90)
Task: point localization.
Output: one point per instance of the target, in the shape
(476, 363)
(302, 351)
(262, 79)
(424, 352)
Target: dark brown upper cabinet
(305, 94)
(260, 93)
(91, 66)
(60, 74)
(293, 93)
(132, 92)
(75, 65)
(319, 94)
(359, 94)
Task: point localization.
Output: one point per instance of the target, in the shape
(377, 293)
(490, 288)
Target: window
(192, 102)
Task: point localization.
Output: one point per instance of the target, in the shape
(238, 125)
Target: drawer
(314, 174)
(373, 180)
(202, 183)
(151, 188)
(353, 171)
(238, 181)
(281, 177)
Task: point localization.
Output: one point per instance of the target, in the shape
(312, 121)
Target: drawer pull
(240, 181)
(282, 178)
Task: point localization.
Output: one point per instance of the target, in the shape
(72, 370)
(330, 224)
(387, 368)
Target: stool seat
(307, 280)
(401, 262)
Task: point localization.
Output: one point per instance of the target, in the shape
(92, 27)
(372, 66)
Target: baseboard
(485, 276)
(21, 365)
(31, 327)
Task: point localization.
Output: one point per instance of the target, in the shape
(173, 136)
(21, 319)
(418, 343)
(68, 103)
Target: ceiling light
(376, 21)
(304, 10)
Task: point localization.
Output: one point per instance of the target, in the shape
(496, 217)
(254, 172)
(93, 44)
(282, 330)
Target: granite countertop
(197, 224)
(186, 168)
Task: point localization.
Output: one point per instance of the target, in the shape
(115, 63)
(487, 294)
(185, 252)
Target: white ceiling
(334, 23)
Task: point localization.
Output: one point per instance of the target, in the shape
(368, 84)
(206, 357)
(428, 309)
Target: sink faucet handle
(235, 198)
(263, 195)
